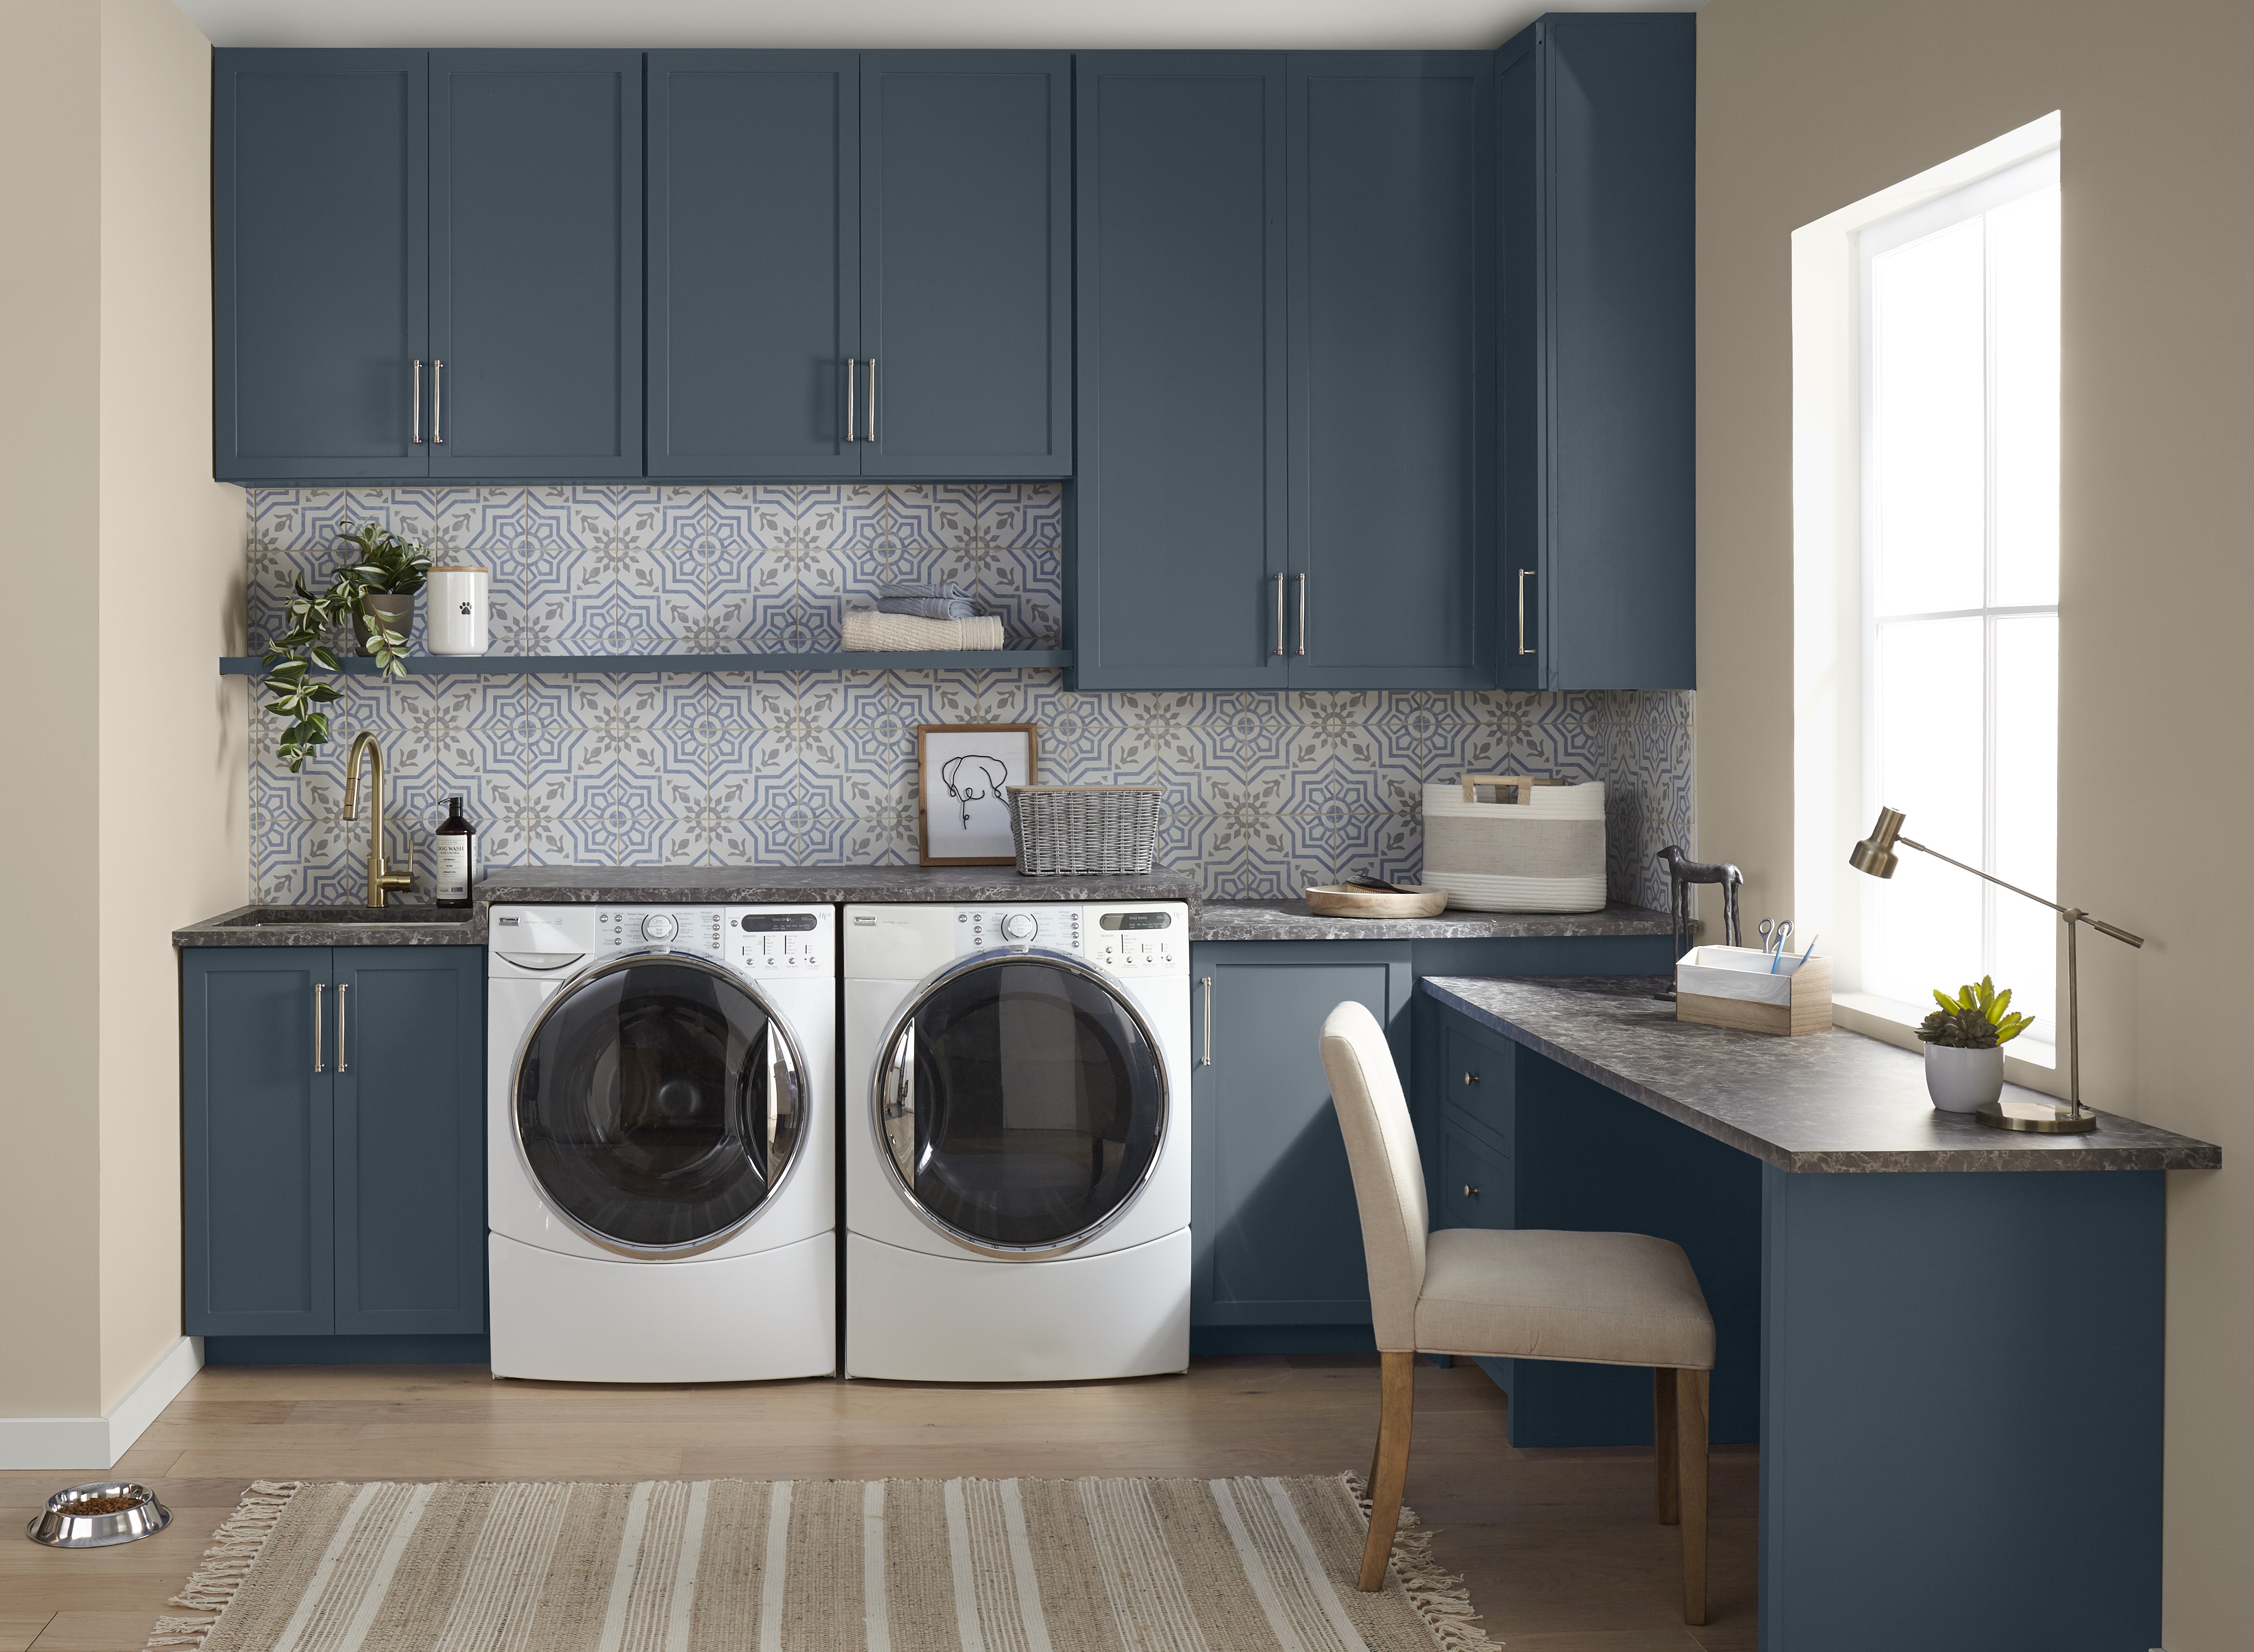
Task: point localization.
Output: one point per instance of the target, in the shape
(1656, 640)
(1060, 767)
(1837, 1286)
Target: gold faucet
(380, 878)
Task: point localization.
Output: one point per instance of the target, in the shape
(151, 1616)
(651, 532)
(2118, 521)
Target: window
(1959, 378)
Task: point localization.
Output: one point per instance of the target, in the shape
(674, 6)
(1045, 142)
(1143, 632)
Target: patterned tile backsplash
(1264, 791)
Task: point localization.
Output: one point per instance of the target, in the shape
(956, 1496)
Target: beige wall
(124, 754)
(1806, 105)
(173, 839)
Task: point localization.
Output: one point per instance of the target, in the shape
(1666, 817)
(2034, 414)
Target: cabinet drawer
(1479, 1079)
(1476, 1180)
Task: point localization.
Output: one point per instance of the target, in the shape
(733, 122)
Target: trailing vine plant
(384, 566)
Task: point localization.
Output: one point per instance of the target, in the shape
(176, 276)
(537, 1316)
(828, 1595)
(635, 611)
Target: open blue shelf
(495, 665)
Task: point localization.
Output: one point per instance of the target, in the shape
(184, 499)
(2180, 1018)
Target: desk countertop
(1832, 1100)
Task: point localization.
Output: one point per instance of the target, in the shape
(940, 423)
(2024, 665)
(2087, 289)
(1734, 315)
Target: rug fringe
(1440, 1598)
(234, 1549)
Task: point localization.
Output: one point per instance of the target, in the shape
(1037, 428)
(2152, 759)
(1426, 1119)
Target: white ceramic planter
(1959, 1080)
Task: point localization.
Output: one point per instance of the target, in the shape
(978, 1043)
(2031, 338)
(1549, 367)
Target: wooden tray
(1340, 900)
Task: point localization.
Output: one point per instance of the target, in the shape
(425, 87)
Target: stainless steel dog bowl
(81, 1517)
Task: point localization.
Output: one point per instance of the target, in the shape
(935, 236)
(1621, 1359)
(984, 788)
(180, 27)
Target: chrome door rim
(905, 1016)
(611, 966)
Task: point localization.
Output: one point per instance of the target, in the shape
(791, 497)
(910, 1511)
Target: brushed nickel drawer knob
(1471, 1078)
(1470, 1192)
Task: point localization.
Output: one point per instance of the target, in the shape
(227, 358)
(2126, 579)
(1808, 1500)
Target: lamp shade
(1875, 854)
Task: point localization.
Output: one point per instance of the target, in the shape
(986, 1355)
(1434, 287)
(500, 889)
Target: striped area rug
(828, 1566)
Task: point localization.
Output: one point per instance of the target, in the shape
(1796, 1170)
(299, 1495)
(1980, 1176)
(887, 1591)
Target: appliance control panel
(697, 929)
(983, 928)
(783, 940)
(1146, 938)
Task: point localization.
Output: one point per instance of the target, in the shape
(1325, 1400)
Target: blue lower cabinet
(332, 1128)
(1277, 1254)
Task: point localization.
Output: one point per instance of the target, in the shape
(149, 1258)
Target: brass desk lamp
(1875, 855)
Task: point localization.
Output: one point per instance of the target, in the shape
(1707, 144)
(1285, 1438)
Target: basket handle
(1520, 783)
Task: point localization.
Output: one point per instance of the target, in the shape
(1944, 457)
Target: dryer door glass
(659, 1103)
(1022, 1103)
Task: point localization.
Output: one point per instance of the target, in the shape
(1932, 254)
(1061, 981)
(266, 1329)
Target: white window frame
(2014, 183)
(1831, 602)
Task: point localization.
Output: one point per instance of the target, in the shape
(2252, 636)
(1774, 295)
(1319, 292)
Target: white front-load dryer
(661, 1122)
(1016, 1141)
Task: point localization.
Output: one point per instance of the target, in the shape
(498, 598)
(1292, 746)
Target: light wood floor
(1560, 1549)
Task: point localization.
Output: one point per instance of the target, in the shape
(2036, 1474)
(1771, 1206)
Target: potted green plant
(375, 591)
(1964, 1041)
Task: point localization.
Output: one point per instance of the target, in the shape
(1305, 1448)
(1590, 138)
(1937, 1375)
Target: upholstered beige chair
(1607, 1299)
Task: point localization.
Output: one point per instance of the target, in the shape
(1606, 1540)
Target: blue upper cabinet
(1598, 128)
(319, 219)
(966, 264)
(1391, 355)
(754, 263)
(1179, 510)
(535, 265)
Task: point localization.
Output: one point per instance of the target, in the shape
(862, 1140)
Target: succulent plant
(1978, 1018)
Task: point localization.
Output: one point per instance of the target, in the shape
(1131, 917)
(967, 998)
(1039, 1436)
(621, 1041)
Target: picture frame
(963, 771)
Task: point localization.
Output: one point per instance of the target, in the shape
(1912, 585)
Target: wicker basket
(1061, 831)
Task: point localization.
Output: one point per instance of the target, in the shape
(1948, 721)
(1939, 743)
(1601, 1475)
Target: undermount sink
(332, 917)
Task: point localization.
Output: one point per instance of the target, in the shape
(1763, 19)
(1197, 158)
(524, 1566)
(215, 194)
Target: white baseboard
(94, 1443)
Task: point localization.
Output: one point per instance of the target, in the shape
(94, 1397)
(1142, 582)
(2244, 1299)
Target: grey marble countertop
(1290, 920)
(648, 885)
(1832, 1100)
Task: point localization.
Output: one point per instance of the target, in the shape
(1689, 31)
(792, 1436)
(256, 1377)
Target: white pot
(1959, 1080)
(456, 610)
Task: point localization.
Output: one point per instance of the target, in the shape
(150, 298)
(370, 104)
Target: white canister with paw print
(458, 609)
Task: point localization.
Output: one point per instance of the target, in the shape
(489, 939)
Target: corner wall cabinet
(859, 264)
(1286, 371)
(332, 1110)
(426, 265)
(1598, 128)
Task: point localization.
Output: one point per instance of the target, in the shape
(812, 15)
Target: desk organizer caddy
(1538, 847)
(1733, 987)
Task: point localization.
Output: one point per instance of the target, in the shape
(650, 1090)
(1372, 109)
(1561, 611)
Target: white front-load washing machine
(1016, 1141)
(661, 1120)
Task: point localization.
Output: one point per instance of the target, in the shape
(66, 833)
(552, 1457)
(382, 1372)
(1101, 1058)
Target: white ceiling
(1267, 24)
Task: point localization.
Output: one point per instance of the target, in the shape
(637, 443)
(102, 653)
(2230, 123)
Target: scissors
(1774, 934)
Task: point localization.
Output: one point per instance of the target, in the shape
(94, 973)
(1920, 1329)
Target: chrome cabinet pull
(414, 413)
(437, 370)
(1522, 648)
(1280, 616)
(873, 398)
(318, 989)
(343, 987)
(1205, 982)
(1302, 579)
(852, 366)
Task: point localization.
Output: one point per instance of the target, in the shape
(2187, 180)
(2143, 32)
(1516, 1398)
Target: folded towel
(866, 630)
(947, 601)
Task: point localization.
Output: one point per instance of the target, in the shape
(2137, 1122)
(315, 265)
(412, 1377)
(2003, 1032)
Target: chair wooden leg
(1690, 1435)
(1666, 1480)
(1389, 1473)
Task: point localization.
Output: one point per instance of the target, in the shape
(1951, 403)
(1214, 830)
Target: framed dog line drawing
(963, 771)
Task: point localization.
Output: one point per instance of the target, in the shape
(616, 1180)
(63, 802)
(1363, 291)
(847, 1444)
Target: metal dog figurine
(1681, 872)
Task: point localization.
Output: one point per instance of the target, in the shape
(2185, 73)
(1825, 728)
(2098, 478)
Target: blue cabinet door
(966, 264)
(257, 1061)
(1598, 128)
(411, 1178)
(754, 262)
(1275, 1233)
(319, 209)
(1391, 343)
(535, 265)
(1178, 513)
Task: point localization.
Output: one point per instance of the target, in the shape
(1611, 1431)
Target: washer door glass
(659, 1103)
(1022, 1103)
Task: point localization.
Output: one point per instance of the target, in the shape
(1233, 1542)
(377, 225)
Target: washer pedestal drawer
(924, 1319)
(575, 1320)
